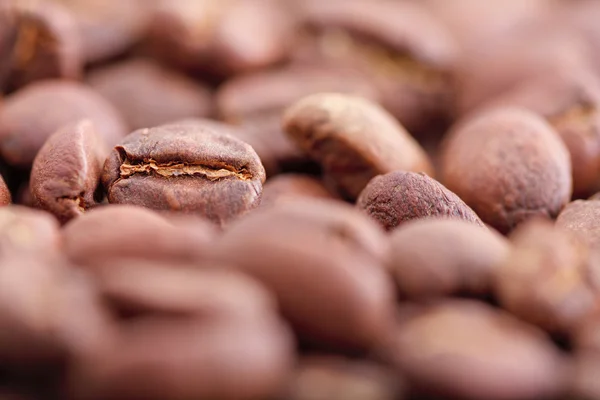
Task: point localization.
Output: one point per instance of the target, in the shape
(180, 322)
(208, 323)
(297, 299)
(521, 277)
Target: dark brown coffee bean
(27, 231)
(43, 43)
(509, 165)
(353, 139)
(185, 168)
(404, 50)
(167, 288)
(65, 177)
(148, 94)
(550, 278)
(107, 29)
(441, 257)
(160, 358)
(570, 101)
(488, 70)
(467, 350)
(121, 231)
(293, 186)
(212, 36)
(337, 378)
(323, 261)
(24, 129)
(399, 196)
(5, 196)
(581, 217)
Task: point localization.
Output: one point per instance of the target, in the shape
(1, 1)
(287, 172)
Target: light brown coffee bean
(323, 261)
(353, 139)
(509, 165)
(442, 257)
(120, 231)
(467, 350)
(65, 177)
(581, 217)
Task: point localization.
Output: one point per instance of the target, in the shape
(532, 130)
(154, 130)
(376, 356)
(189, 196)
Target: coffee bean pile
(299, 200)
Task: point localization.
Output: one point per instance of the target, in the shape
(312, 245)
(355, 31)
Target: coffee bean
(42, 43)
(122, 231)
(23, 129)
(5, 196)
(65, 177)
(467, 350)
(212, 36)
(337, 378)
(185, 168)
(570, 102)
(293, 186)
(353, 139)
(509, 165)
(441, 257)
(108, 29)
(407, 54)
(156, 358)
(136, 287)
(581, 217)
(148, 94)
(550, 278)
(323, 261)
(399, 196)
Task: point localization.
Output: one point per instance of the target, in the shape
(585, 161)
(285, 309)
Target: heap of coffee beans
(300, 199)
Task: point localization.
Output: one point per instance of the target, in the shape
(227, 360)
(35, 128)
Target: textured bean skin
(581, 217)
(509, 165)
(65, 176)
(441, 257)
(323, 261)
(5, 196)
(353, 140)
(185, 168)
(397, 197)
(23, 130)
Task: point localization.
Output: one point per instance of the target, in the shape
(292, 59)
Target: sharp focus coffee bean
(185, 168)
(353, 139)
(509, 165)
(148, 94)
(65, 177)
(42, 43)
(398, 197)
(441, 257)
(24, 129)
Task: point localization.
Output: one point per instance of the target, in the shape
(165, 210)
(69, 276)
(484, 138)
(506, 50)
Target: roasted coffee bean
(407, 54)
(570, 102)
(24, 129)
(166, 288)
(5, 196)
(27, 231)
(41, 43)
(107, 29)
(323, 261)
(551, 278)
(488, 70)
(399, 196)
(509, 165)
(353, 139)
(185, 168)
(157, 358)
(148, 94)
(337, 378)
(467, 350)
(213, 36)
(65, 177)
(442, 257)
(581, 217)
(293, 186)
(122, 231)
